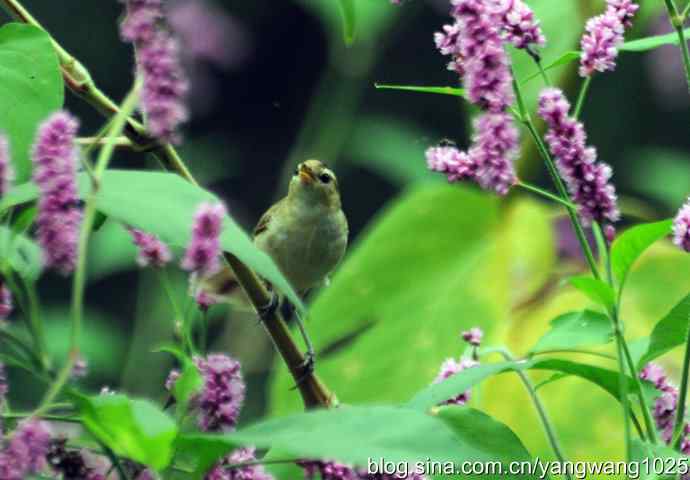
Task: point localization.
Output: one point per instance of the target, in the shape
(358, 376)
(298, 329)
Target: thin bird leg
(310, 357)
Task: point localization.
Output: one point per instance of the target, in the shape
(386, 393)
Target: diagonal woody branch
(78, 80)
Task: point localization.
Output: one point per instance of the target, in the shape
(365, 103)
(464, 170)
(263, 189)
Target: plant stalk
(677, 21)
(581, 97)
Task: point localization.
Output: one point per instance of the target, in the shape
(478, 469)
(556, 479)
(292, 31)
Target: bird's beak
(305, 174)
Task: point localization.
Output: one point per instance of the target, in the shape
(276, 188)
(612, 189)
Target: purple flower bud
(603, 35)
(204, 248)
(223, 394)
(473, 336)
(624, 9)
(6, 170)
(681, 227)
(610, 233)
(80, 369)
(455, 163)
(173, 376)
(520, 26)
(247, 472)
(587, 180)
(152, 251)
(5, 301)
(55, 159)
(449, 368)
(664, 409)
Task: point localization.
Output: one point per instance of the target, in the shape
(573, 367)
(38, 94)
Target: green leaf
(164, 204)
(392, 433)
(456, 92)
(628, 247)
(136, 429)
(391, 280)
(668, 461)
(564, 59)
(438, 393)
(21, 254)
(650, 43)
(670, 332)
(31, 88)
(597, 290)
(574, 330)
(188, 384)
(347, 9)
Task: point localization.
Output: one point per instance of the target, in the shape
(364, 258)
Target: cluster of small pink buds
(55, 158)
(604, 35)
(6, 170)
(26, 450)
(587, 179)
(681, 227)
(664, 410)
(203, 252)
(165, 84)
(246, 455)
(451, 366)
(519, 24)
(152, 251)
(329, 470)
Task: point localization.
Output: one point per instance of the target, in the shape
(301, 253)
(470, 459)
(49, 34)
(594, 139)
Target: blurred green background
(427, 260)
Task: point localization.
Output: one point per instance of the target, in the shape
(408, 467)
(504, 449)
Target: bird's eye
(325, 178)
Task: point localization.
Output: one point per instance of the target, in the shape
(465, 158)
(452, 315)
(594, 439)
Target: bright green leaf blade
(347, 10)
(668, 461)
(456, 92)
(575, 330)
(632, 243)
(188, 383)
(21, 254)
(31, 88)
(670, 332)
(650, 43)
(597, 291)
(136, 429)
(564, 59)
(392, 433)
(438, 393)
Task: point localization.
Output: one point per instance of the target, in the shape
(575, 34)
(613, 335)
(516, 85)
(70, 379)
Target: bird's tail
(221, 287)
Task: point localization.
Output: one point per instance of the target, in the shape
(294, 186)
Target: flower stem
(558, 182)
(581, 97)
(677, 21)
(78, 80)
(682, 396)
(79, 281)
(544, 193)
(541, 411)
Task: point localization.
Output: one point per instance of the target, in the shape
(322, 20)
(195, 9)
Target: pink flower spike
(599, 45)
(520, 27)
(204, 248)
(152, 251)
(5, 301)
(449, 368)
(625, 10)
(681, 227)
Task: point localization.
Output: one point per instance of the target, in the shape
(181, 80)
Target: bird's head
(315, 184)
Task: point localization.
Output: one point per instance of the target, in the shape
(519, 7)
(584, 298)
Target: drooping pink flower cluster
(473, 336)
(202, 255)
(152, 251)
(451, 366)
(165, 83)
(55, 158)
(5, 301)
(329, 470)
(489, 160)
(664, 410)
(6, 170)
(26, 450)
(681, 227)
(221, 398)
(604, 35)
(246, 472)
(587, 179)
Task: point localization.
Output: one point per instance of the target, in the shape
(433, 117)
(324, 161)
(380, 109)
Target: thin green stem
(558, 182)
(578, 351)
(79, 282)
(541, 411)
(37, 326)
(677, 21)
(684, 13)
(581, 97)
(682, 395)
(54, 418)
(625, 401)
(544, 193)
(11, 338)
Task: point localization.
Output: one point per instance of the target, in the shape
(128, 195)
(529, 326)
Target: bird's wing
(265, 219)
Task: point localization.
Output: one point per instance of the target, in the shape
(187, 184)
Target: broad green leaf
(661, 461)
(564, 59)
(574, 330)
(660, 173)
(670, 332)
(438, 393)
(188, 384)
(135, 429)
(650, 43)
(347, 9)
(597, 290)
(632, 243)
(31, 88)
(456, 92)
(398, 289)
(392, 433)
(21, 254)
(164, 204)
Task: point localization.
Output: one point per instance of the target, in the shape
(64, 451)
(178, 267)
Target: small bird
(305, 234)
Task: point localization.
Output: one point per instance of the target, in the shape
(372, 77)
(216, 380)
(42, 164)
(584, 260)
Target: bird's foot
(307, 368)
(269, 309)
